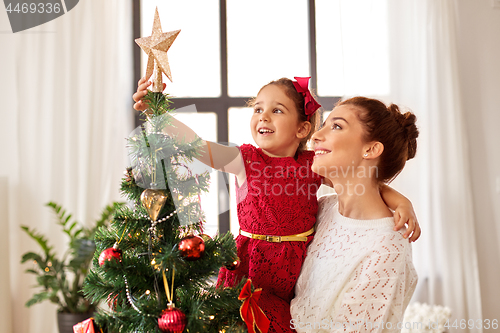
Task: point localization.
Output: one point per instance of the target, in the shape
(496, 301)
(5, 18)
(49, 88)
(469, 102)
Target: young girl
(276, 192)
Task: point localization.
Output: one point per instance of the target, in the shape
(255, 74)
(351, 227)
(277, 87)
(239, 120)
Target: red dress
(278, 199)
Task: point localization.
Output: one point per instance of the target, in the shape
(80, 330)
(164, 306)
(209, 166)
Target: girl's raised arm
(217, 156)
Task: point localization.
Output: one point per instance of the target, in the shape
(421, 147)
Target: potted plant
(61, 277)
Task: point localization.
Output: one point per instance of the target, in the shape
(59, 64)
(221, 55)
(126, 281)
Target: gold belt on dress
(278, 239)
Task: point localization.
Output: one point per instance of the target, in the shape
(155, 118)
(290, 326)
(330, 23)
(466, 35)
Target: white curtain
(66, 108)
(425, 78)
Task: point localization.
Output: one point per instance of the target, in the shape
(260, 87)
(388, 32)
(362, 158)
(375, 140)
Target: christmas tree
(153, 265)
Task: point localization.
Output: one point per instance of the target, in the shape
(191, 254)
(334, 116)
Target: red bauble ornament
(172, 320)
(233, 265)
(112, 301)
(112, 253)
(192, 247)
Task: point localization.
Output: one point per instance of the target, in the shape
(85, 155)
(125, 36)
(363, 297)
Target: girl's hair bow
(310, 104)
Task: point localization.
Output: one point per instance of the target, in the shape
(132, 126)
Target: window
(352, 47)
(266, 40)
(195, 54)
(228, 49)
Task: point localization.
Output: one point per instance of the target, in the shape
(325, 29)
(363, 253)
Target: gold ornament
(156, 47)
(153, 201)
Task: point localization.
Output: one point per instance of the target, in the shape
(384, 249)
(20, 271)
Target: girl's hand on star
(142, 90)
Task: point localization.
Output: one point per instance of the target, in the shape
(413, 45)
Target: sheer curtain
(419, 43)
(425, 78)
(66, 90)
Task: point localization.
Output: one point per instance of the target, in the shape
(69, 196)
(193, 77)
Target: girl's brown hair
(298, 100)
(395, 130)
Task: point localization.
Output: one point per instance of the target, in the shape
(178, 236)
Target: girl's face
(275, 123)
(339, 144)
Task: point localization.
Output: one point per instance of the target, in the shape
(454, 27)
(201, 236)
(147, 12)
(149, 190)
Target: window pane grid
(194, 57)
(200, 72)
(266, 40)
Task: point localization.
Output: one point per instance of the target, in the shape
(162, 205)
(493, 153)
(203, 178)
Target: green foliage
(61, 279)
(158, 103)
(146, 254)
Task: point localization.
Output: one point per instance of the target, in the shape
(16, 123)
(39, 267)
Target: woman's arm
(403, 211)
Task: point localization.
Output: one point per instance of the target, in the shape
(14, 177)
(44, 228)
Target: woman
(358, 275)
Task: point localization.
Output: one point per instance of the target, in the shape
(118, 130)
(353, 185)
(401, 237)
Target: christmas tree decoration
(251, 313)
(112, 253)
(192, 247)
(156, 47)
(155, 265)
(131, 300)
(233, 265)
(172, 320)
(128, 174)
(86, 326)
(112, 301)
(152, 228)
(153, 201)
(205, 237)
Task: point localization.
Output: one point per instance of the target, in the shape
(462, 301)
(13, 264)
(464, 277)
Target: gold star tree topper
(156, 47)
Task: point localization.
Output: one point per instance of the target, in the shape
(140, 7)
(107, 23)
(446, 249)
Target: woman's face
(339, 145)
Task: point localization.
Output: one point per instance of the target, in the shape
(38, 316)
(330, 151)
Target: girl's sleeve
(247, 151)
(378, 293)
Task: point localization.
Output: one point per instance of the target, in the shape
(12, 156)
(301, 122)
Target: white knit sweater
(358, 275)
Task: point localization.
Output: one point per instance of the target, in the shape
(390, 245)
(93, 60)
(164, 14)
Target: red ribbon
(310, 104)
(252, 315)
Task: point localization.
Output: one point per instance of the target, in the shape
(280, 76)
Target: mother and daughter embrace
(342, 263)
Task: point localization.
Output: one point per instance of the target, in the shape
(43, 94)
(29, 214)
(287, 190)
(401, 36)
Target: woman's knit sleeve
(374, 300)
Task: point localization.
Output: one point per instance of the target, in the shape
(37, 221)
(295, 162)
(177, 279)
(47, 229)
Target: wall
(479, 69)
(5, 311)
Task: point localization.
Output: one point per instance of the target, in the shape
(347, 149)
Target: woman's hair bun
(395, 130)
(407, 121)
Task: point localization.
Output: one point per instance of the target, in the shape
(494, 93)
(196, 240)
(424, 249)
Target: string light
(132, 302)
